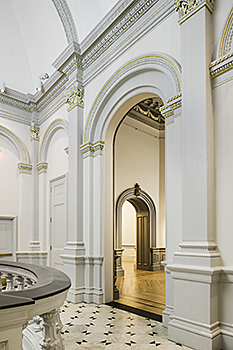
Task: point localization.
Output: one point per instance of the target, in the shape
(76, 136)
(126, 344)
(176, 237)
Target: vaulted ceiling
(34, 33)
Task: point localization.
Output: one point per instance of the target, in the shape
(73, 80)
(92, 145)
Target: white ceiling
(32, 36)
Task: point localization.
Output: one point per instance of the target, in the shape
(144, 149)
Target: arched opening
(138, 156)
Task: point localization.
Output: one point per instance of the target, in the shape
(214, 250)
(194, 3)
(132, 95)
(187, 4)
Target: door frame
(64, 176)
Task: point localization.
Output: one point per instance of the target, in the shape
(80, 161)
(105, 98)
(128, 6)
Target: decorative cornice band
(25, 168)
(221, 65)
(42, 167)
(188, 8)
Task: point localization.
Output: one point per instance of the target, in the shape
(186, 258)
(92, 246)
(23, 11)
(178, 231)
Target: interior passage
(141, 289)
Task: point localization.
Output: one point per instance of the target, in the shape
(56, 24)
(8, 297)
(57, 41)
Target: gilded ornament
(75, 96)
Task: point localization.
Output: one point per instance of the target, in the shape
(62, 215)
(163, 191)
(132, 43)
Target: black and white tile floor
(91, 326)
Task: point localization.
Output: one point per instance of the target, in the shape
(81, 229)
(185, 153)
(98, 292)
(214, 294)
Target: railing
(31, 292)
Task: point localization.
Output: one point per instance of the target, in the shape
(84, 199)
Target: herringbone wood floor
(144, 290)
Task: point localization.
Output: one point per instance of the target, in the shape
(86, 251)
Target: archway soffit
(18, 144)
(157, 60)
(66, 19)
(50, 131)
(226, 38)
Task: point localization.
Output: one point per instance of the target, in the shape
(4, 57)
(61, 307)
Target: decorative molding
(159, 60)
(101, 56)
(172, 109)
(50, 131)
(75, 97)
(18, 144)
(25, 168)
(221, 65)
(148, 112)
(227, 35)
(42, 167)
(90, 149)
(35, 132)
(66, 19)
(187, 8)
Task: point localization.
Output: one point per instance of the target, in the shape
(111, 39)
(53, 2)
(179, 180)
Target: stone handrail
(28, 291)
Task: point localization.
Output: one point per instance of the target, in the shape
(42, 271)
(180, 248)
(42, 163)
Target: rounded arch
(17, 143)
(226, 37)
(165, 82)
(50, 131)
(141, 202)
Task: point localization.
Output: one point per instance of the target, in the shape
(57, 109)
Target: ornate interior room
(115, 174)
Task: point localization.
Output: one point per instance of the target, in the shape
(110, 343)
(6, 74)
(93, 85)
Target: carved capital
(90, 149)
(75, 97)
(50, 340)
(42, 167)
(35, 132)
(186, 8)
(25, 168)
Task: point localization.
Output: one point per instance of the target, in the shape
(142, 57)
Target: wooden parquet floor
(144, 290)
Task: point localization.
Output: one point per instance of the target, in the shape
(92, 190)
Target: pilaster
(196, 266)
(74, 251)
(34, 237)
(25, 172)
(42, 174)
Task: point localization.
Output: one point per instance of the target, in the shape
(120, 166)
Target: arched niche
(17, 143)
(56, 125)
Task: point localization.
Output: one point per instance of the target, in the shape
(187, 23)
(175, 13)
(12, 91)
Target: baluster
(59, 327)
(20, 282)
(50, 340)
(9, 281)
(28, 282)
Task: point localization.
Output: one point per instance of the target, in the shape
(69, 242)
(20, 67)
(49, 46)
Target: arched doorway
(145, 230)
(143, 77)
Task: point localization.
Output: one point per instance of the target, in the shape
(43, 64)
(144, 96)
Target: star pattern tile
(91, 326)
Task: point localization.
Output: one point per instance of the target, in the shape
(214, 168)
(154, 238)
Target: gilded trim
(19, 143)
(224, 34)
(117, 72)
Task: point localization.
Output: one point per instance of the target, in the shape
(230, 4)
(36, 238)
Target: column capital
(25, 168)
(92, 149)
(75, 96)
(35, 132)
(187, 8)
(172, 108)
(42, 167)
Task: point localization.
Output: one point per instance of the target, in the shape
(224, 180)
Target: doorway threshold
(136, 311)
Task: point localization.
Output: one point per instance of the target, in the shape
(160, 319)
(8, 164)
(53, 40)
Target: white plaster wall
(128, 231)
(223, 105)
(9, 178)
(137, 161)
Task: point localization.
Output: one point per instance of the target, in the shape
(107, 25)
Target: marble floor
(91, 326)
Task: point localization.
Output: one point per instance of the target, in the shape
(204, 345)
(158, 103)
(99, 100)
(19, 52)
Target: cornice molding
(187, 8)
(71, 66)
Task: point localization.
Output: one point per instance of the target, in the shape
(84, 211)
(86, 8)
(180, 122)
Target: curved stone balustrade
(28, 291)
